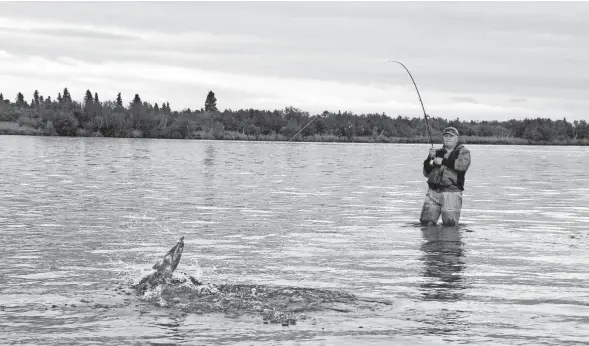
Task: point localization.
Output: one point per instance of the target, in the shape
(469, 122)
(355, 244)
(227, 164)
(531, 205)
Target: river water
(82, 218)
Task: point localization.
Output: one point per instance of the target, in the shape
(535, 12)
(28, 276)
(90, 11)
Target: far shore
(13, 128)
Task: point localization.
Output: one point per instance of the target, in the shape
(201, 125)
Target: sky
(470, 60)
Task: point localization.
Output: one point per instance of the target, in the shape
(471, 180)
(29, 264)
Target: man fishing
(445, 169)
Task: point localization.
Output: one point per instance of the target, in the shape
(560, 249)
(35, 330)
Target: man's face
(450, 140)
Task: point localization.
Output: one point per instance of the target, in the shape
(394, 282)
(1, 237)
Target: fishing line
(420, 101)
(296, 134)
(301, 130)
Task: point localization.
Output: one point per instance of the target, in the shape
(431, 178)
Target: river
(82, 218)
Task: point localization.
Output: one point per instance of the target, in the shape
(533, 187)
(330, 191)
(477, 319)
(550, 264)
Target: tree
(138, 113)
(166, 108)
(119, 100)
(97, 109)
(36, 98)
(66, 97)
(88, 108)
(211, 102)
(20, 100)
(1, 97)
(88, 100)
(59, 98)
(65, 124)
(582, 129)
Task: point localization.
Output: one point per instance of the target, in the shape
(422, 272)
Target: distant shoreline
(15, 129)
(141, 119)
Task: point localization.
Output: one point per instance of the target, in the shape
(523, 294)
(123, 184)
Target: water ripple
(80, 216)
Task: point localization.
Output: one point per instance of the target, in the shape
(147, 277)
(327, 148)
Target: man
(445, 169)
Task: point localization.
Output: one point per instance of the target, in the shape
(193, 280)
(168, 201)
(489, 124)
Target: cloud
(65, 33)
(157, 82)
(88, 31)
(517, 100)
(469, 60)
(464, 99)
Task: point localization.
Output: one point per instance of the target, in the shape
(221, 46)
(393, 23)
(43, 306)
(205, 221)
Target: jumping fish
(162, 271)
(171, 259)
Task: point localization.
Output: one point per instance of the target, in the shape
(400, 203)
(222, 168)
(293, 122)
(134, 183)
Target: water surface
(81, 216)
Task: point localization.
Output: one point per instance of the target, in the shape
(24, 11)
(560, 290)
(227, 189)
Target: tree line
(138, 118)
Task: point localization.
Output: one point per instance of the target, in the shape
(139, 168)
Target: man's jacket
(450, 175)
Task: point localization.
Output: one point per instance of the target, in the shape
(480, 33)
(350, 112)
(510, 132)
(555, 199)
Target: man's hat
(451, 130)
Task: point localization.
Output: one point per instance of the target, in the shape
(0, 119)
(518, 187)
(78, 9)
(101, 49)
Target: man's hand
(432, 153)
(438, 161)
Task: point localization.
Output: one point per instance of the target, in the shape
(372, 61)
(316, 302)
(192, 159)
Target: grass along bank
(13, 128)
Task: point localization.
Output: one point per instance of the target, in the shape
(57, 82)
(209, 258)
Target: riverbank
(13, 128)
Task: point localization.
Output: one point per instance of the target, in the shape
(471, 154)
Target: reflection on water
(443, 263)
(443, 266)
(209, 159)
(209, 174)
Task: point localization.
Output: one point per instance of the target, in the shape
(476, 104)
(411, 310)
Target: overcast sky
(479, 61)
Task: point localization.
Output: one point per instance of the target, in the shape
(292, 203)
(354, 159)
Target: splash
(178, 290)
(274, 304)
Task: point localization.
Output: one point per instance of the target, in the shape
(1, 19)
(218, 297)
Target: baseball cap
(451, 130)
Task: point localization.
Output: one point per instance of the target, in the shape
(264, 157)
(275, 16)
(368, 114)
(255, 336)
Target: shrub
(135, 133)
(65, 124)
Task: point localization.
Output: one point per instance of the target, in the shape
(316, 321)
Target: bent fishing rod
(429, 134)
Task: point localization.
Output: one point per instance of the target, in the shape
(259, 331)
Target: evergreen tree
(96, 98)
(66, 98)
(119, 100)
(88, 100)
(59, 98)
(1, 97)
(138, 113)
(211, 102)
(88, 110)
(20, 100)
(41, 99)
(156, 108)
(36, 98)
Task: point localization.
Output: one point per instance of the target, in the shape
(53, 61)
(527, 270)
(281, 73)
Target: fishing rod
(427, 128)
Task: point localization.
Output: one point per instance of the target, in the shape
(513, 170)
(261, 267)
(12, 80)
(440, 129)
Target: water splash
(275, 304)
